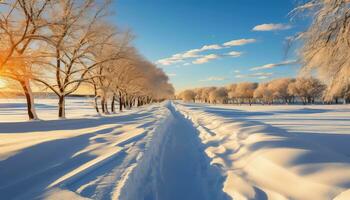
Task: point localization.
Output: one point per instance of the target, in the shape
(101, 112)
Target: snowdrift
(277, 152)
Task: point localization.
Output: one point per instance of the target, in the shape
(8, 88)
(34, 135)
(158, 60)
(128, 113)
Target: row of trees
(282, 90)
(62, 45)
(325, 53)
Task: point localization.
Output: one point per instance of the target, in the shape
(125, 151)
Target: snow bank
(275, 152)
(83, 157)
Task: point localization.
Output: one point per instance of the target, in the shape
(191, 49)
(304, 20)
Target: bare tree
(20, 24)
(73, 36)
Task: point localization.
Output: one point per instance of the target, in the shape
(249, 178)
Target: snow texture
(174, 150)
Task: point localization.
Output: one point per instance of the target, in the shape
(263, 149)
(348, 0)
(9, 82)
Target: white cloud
(169, 61)
(239, 42)
(214, 78)
(273, 65)
(234, 53)
(237, 71)
(205, 59)
(193, 53)
(211, 47)
(271, 27)
(199, 59)
(171, 74)
(260, 75)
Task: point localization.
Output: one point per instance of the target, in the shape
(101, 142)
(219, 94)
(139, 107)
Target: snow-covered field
(277, 152)
(175, 150)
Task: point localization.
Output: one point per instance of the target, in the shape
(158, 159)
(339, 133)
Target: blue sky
(212, 42)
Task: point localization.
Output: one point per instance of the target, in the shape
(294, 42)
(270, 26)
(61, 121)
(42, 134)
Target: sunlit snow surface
(174, 151)
(277, 152)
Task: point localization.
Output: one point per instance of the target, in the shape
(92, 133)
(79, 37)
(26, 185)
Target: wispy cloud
(205, 59)
(169, 61)
(260, 75)
(234, 54)
(171, 74)
(239, 42)
(192, 53)
(272, 27)
(213, 78)
(274, 65)
(211, 47)
(199, 59)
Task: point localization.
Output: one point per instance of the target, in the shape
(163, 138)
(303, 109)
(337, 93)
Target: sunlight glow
(3, 83)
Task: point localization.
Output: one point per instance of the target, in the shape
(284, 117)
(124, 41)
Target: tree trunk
(120, 103)
(103, 100)
(112, 104)
(30, 100)
(61, 107)
(96, 105)
(95, 99)
(106, 107)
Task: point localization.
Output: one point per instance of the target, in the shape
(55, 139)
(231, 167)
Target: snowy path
(184, 167)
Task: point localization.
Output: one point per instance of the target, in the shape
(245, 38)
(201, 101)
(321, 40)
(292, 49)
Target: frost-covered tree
(307, 89)
(231, 92)
(245, 91)
(72, 36)
(263, 93)
(219, 95)
(21, 23)
(188, 95)
(327, 44)
(279, 89)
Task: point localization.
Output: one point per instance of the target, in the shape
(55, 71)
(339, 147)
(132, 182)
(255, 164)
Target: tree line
(304, 90)
(64, 45)
(324, 53)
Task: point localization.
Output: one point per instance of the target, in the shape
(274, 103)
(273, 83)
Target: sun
(3, 83)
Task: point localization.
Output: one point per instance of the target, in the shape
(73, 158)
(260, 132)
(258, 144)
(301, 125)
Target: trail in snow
(184, 169)
(182, 163)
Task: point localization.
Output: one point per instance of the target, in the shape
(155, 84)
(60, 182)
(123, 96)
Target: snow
(82, 157)
(277, 152)
(175, 150)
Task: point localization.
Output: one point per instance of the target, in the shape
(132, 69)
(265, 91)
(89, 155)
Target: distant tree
(231, 92)
(188, 95)
(245, 91)
(279, 89)
(218, 95)
(308, 89)
(205, 93)
(263, 93)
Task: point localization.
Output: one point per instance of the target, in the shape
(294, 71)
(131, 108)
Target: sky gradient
(212, 43)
